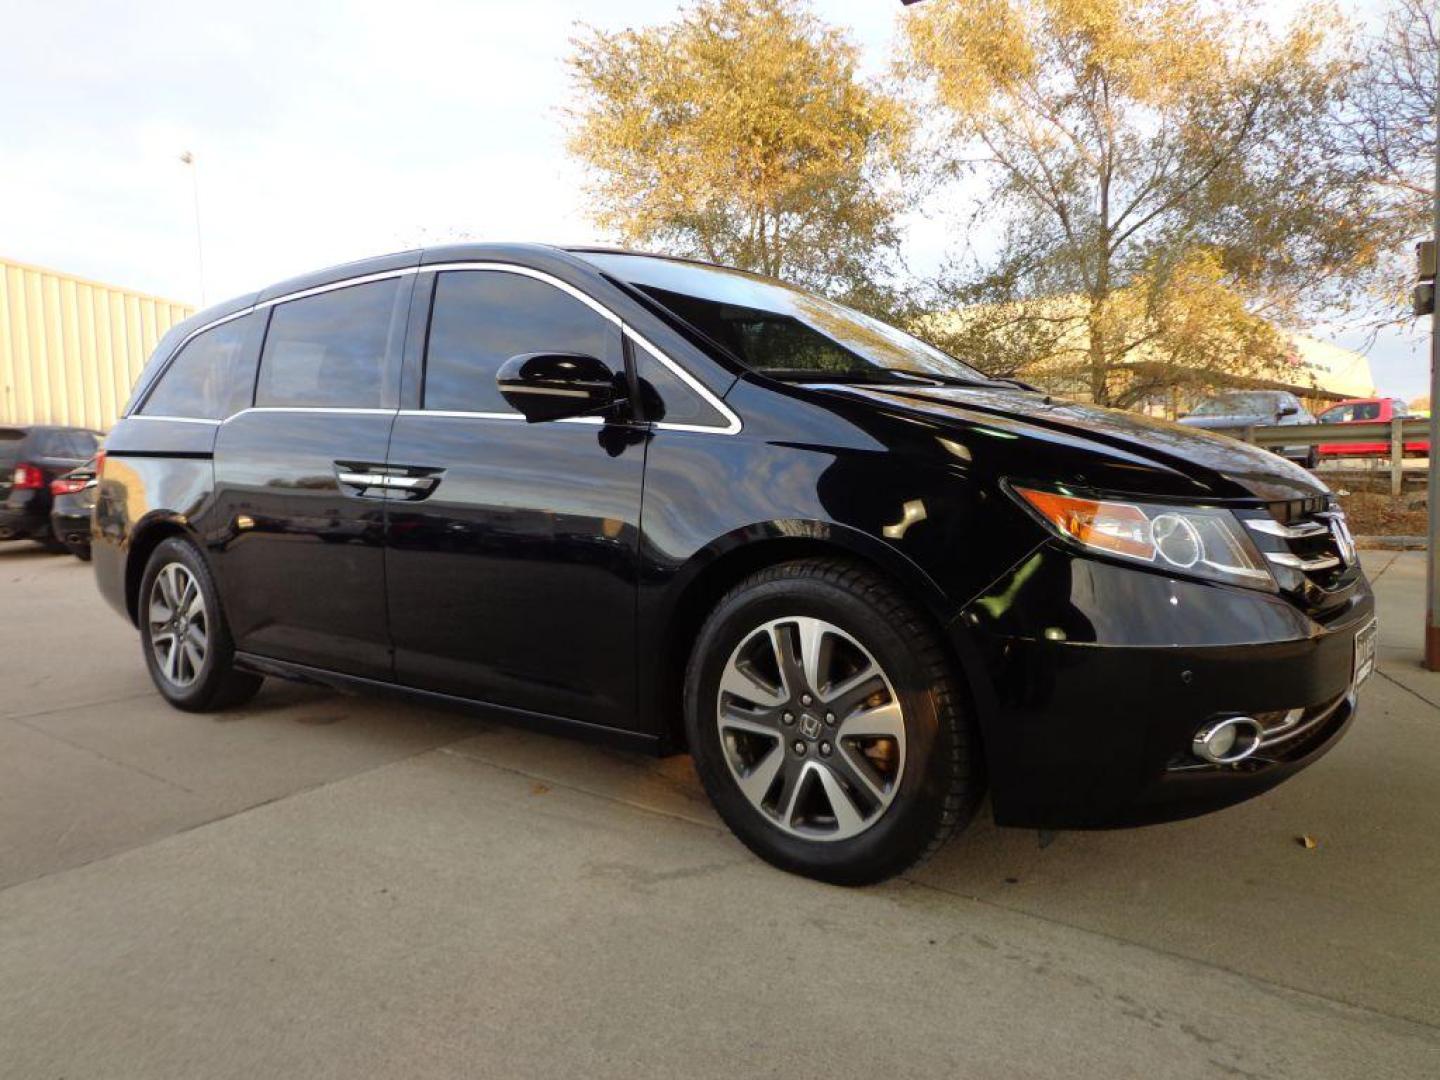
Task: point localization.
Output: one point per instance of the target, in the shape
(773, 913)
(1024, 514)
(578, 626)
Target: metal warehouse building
(70, 349)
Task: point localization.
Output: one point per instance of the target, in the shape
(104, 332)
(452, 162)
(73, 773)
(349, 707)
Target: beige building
(70, 349)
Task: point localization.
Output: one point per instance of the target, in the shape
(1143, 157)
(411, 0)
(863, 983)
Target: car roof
(523, 253)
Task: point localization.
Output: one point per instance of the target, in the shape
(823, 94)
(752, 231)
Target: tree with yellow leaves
(743, 133)
(1159, 187)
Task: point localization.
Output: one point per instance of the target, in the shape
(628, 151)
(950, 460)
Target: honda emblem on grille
(1343, 540)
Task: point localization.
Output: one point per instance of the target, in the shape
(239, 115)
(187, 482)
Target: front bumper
(1095, 677)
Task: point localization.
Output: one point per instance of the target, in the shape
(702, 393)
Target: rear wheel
(183, 633)
(826, 724)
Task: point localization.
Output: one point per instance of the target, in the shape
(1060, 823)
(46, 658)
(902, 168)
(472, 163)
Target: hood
(1090, 446)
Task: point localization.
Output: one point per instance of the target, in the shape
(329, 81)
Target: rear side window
(481, 318)
(1367, 410)
(11, 440)
(337, 349)
(211, 377)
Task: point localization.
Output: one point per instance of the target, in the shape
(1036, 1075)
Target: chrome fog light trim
(1224, 742)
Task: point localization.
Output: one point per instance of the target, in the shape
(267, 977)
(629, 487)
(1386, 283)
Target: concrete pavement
(320, 886)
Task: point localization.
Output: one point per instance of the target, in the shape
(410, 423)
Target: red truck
(1376, 412)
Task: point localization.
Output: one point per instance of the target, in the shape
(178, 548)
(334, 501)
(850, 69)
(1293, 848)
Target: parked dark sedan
(74, 498)
(30, 458)
(670, 505)
(1232, 413)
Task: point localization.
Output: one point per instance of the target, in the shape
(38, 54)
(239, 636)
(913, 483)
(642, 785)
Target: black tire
(81, 553)
(52, 545)
(1312, 459)
(216, 683)
(942, 778)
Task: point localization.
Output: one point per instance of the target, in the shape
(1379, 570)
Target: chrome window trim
(732, 426)
(457, 414)
(312, 409)
(176, 419)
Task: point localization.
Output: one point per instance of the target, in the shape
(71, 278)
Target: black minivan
(674, 506)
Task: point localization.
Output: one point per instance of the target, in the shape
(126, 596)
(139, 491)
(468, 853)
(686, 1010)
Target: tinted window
(482, 318)
(211, 377)
(1238, 405)
(782, 331)
(10, 440)
(337, 349)
(1367, 410)
(81, 444)
(667, 398)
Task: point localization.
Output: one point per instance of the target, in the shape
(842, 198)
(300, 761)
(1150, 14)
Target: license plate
(1365, 652)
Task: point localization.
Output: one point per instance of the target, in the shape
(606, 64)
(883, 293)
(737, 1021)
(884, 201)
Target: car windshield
(1238, 405)
(781, 331)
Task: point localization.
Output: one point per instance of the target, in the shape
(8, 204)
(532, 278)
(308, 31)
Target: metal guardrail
(1395, 432)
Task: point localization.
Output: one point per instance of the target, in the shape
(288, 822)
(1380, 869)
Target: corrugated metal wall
(70, 349)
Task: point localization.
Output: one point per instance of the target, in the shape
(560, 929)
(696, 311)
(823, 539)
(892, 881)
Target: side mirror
(1287, 410)
(556, 386)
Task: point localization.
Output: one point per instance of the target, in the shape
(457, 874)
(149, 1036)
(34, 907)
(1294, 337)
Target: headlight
(1184, 539)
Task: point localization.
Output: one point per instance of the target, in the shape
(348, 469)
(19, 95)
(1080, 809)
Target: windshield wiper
(876, 375)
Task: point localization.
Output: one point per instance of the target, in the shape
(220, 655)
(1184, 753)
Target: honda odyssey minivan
(675, 507)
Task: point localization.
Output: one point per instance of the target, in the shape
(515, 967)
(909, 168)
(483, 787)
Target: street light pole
(1432, 613)
(189, 159)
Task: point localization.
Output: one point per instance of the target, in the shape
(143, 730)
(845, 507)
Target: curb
(1391, 543)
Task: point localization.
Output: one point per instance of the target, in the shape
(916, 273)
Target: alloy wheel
(811, 728)
(179, 627)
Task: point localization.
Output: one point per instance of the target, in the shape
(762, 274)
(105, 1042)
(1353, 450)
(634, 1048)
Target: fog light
(1227, 741)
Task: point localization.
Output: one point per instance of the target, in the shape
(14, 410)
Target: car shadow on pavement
(30, 550)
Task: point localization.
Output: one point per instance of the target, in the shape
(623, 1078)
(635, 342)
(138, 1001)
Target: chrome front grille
(1309, 549)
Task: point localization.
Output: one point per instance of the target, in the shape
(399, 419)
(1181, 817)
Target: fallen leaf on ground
(538, 788)
(1307, 841)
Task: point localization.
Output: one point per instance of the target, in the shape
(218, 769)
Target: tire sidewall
(915, 814)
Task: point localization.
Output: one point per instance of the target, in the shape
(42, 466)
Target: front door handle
(377, 479)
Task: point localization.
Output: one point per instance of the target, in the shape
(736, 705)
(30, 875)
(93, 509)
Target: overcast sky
(322, 131)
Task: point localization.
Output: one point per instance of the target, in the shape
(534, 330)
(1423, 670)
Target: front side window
(336, 349)
(211, 377)
(667, 399)
(481, 318)
(1367, 410)
(1340, 414)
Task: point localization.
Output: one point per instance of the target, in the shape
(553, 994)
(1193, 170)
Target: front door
(511, 564)
(301, 565)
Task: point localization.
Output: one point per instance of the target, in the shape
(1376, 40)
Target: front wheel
(184, 635)
(826, 723)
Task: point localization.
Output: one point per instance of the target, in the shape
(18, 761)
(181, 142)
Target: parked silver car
(1236, 410)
